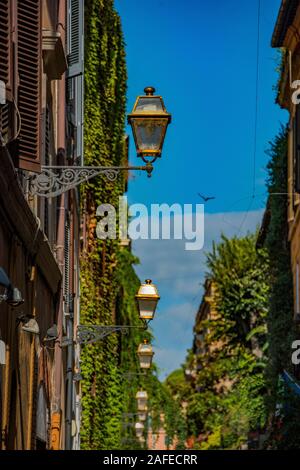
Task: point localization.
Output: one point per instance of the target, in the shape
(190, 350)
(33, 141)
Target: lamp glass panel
(145, 105)
(149, 133)
(142, 404)
(145, 362)
(147, 308)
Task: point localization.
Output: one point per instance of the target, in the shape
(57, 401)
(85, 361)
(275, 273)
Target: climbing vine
(105, 101)
(225, 402)
(283, 406)
(108, 279)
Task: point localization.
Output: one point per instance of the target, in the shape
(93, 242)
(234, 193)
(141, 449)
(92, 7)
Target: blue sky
(201, 57)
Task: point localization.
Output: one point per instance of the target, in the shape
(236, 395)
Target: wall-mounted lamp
(147, 299)
(139, 429)
(12, 296)
(149, 120)
(31, 326)
(145, 354)
(142, 400)
(51, 334)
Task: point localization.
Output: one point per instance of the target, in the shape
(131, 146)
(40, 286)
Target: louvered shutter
(6, 121)
(5, 42)
(297, 149)
(29, 67)
(7, 110)
(75, 37)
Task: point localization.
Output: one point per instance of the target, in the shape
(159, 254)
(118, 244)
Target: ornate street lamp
(139, 429)
(142, 416)
(12, 296)
(145, 354)
(142, 400)
(149, 121)
(147, 299)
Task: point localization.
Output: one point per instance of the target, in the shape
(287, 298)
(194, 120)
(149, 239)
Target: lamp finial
(149, 90)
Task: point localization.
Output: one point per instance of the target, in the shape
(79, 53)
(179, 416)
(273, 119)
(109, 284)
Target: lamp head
(145, 354)
(14, 297)
(4, 280)
(149, 120)
(147, 299)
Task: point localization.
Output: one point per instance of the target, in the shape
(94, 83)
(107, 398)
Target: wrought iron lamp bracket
(56, 180)
(131, 375)
(87, 334)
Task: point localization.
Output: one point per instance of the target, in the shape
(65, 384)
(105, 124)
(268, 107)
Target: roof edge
(285, 18)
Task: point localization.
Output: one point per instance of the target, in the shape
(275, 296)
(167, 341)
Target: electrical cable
(255, 116)
(256, 95)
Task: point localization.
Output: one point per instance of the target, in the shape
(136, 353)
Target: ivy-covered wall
(283, 406)
(108, 279)
(105, 101)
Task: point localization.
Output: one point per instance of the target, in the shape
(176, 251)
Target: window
(29, 72)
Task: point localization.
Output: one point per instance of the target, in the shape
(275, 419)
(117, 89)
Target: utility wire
(256, 94)
(255, 116)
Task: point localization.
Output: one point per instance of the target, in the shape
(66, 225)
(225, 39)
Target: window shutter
(7, 110)
(5, 42)
(6, 122)
(297, 149)
(75, 37)
(29, 66)
(75, 118)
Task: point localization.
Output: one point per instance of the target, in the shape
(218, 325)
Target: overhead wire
(255, 117)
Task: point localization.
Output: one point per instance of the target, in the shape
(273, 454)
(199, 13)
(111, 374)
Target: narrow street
(149, 229)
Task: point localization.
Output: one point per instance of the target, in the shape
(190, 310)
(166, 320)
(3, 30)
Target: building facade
(287, 37)
(203, 349)
(41, 77)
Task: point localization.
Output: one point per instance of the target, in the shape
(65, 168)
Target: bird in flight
(205, 199)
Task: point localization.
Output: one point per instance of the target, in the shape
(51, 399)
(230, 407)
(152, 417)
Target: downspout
(70, 334)
(61, 211)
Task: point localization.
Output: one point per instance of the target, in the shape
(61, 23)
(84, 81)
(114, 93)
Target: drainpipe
(70, 333)
(61, 209)
(69, 377)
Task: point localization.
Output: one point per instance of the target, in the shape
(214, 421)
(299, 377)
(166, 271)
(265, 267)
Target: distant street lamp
(139, 429)
(12, 296)
(147, 299)
(142, 416)
(149, 121)
(142, 400)
(145, 354)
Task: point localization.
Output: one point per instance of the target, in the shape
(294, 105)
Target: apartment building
(41, 116)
